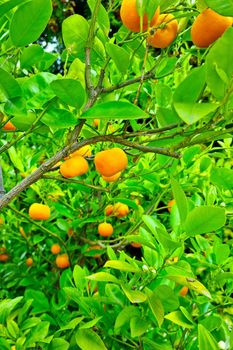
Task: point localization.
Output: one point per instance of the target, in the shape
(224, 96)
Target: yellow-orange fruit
(208, 27)
(184, 291)
(96, 122)
(29, 262)
(136, 244)
(170, 204)
(75, 166)
(9, 126)
(112, 178)
(4, 257)
(1, 220)
(109, 209)
(95, 247)
(164, 36)
(130, 17)
(84, 151)
(55, 249)
(70, 232)
(62, 261)
(110, 161)
(121, 210)
(39, 211)
(105, 229)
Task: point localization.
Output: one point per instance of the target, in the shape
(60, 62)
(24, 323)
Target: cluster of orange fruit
(62, 260)
(163, 28)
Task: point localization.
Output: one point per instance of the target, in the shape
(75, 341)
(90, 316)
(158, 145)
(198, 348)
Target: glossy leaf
(119, 55)
(218, 65)
(178, 317)
(29, 21)
(138, 326)
(69, 91)
(103, 277)
(75, 31)
(134, 296)
(8, 5)
(204, 219)
(9, 87)
(205, 339)
(87, 339)
(224, 8)
(222, 178)
(156, 307)
(59, 118)
(114, 110)
(59, 344)
(125, 315)
(180, 198)
(122, 266)
(192, 112)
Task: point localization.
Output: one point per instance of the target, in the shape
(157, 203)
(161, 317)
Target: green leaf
(166, 66)
(219, 59)
(8, 5)
(24, 121)
(40, 302)
(15, 159)
(224, 8)
(102, 16)
(77, 71)
(72, 324)
(87, 339)
(59, 344)
(138, 326)
(79, 275)
(29, 21)
(57, 118)
(192, 112)
(222, 178)
(205, 339)
(90, 324)
(168, 297)
(134, 296)
(75, 31)
(125, 315)
(69, 91)
(156, 307)
(204, 219)
(12, 328)
(181, 199)
(119, 55)
(178, 317)
(221, 252)
(190, 89)
(122, 266)
(31, 56)
(9, 87)
(103, 277)
(114, 110)
(37, 333)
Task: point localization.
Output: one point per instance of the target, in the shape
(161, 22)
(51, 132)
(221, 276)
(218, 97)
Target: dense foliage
(74, 79)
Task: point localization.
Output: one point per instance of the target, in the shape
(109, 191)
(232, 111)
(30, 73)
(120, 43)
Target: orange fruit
(105, 229)
(2, 249)
(208, 27)
(9, 126)
(70, 232)
(75, 166)
(39, 211)
(164, 36)
(1, 220)
(184, 291)
(170, 204)
(130, 17)
(4, 257)
(84, 151)
(112, 178)
(95, 247)
(110, 161)
(62, 261)
(121, 210)
(96, 122)
(29, 262)
(55, 249)
(109, 209)
(136, 244)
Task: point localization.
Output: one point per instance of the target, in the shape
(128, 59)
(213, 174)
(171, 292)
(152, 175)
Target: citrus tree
(116, 175)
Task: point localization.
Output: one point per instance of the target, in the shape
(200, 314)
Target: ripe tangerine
(75, 166)
(39, 211)
(55, 249)
(163, 37)
(208, 27)
(111, 161)
(62, 261)
(130, 17)
(29, 262)
(9, 126)
(105, 229)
